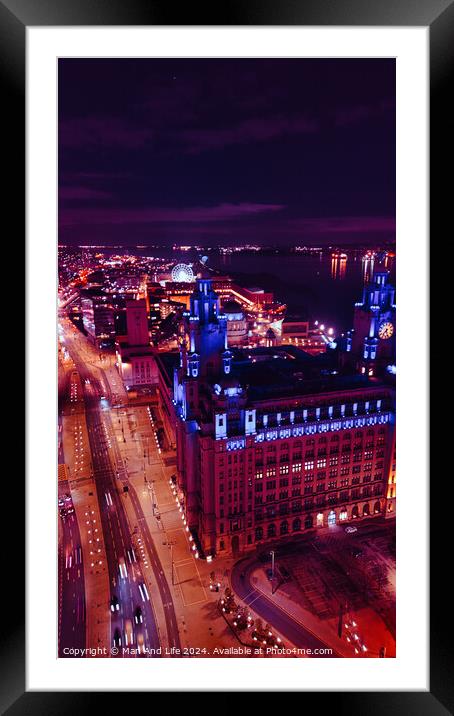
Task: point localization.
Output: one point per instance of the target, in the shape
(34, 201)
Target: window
(309, 465)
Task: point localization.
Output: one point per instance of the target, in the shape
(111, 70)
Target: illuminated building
(98, 318)
(167, 307)
(371, 346)
(178, 292)
(237, 331)
(249, 298)
(391, 488)
(295, 331)
(137, 323)
(273, 442)
(134, 354)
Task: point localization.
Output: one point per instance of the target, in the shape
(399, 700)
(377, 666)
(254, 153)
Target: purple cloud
(357, 114)
(346, 225)
(156, 215)
(102, 132)
(71, 193)
(250, 130)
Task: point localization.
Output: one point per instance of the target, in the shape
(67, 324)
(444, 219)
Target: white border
(409, 671)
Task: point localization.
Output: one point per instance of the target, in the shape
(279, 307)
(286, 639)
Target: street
(127, 582)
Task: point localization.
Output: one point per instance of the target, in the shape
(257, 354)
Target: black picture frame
(15, 16)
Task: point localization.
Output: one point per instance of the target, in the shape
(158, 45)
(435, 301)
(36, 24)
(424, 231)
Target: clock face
(385, 330)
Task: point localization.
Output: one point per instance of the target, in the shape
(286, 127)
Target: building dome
(236, 323)
(233, 311)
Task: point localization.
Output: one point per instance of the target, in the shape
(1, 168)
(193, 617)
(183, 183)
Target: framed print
(227, 221)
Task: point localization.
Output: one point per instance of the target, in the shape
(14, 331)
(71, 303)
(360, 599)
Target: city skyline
(224, 151)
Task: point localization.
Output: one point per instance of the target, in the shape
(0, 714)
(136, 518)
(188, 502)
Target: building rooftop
(286, 371)
(231, 307)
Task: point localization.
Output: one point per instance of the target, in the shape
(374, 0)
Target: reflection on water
(368, 266)
(389, 260)
(338, 266)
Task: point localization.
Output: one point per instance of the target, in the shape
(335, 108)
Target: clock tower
(373, 340)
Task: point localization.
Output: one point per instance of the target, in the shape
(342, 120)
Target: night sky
(219, 152)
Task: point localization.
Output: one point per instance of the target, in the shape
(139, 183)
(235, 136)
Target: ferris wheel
(182, 273)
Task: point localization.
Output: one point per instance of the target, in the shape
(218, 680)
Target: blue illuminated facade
(372, 342)
(269, 448)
